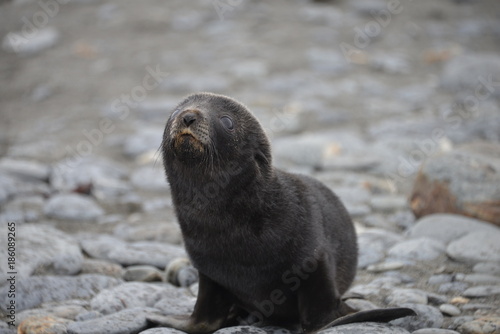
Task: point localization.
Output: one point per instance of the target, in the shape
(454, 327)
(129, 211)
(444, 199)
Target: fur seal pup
(272, 246)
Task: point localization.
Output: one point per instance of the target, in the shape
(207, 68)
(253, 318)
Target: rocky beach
(394, 105)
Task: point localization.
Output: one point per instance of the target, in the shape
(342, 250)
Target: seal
(270, 247)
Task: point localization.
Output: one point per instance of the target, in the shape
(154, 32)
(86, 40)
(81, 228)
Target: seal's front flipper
(377, 315)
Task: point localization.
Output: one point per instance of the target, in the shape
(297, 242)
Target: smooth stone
(162, 331)
(390, 63)
(476, 247)
(44, 325)
(240, 330)
(43, 250)
(463, 73)
(357, 210)
(11, 186)
(385, 266)
(481, 279)
(440, 279)
(401, 296)
(150, 178)
(388, 203)
(458, 321)
(421, 249)
(485, 325)
(361, 304)
(133, 294)
(180, 303)
(434, 331)
(327, 61)
(467, 307)
(447, 227)
(453, 287)
(35, 290)
(89, 315)
(131, 253)
(27, 208)
(427, 317)
(101, 267)
(450, 310)
(463, 180)
(180, 272)
(352, 194)
(68, 312)
(127, 321)
(142, 273)
(43, 38)
(366, 327)
(487, 268)
(277, 330)
(378, 221)
(25, 169)
(482, 291)
(72, 207)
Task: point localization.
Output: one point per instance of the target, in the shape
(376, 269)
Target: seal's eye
(227, 122)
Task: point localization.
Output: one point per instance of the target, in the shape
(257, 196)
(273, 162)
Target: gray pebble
(140, 230)
(373, 245)
(427, 317)
(277, 330)
(487, 268)
(131, 253)
(162, 331)
(33, 291)
(72, 207)
(482, 291)
(421, 249)
(44, 251)
(368, 327)
(434, 331)
(31, 44)
(476, 247)
(361, 304)
(440, 279)
(447, 227)
(357, 210)
(142, 273)
(406, 296)
(453, 287)
(25, 169)
(128, 321)
(93, 266)
(385, 266)
(458, 321)
(481, 279)
(450, 310)
(146, 139)
(88, 315)
(23, 209)
(240, 330)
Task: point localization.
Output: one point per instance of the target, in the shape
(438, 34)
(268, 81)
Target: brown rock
(43, 325)
(486, 325)
(464, 181)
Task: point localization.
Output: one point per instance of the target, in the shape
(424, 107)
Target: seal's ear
(262, 162)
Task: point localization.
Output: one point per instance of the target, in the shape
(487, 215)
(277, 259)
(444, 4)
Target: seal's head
(210, 133)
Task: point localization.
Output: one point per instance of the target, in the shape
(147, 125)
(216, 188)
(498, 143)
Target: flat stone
(131, 253)
(367, 327)
(43, 250)
(373, 245)
(388, 203)
(162, 331)
(142, 273)
(35, 290)
(43, 325)
(482, 291)
(481, 279)
(476, 247)
(440, 279)
(146, 139)
(447, 227)
(462, 181)
(486, 325)
(25, 169)
(23, 209)
(241, 330)
(385, 266)
(421, 249)
(21, 44)
(453, 287)
(127, 321)
(400, 296)
(487, 268)
(11, 186)
(72, 207)
(434, 331)
(449, 309)
(141, 230)
(427, 317)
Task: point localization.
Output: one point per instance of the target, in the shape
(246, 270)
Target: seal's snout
(189, 118)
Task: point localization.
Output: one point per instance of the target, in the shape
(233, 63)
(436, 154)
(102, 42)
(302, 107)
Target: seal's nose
(189, 118)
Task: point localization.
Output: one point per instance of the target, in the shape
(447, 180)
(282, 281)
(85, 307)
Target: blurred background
(375, 98)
